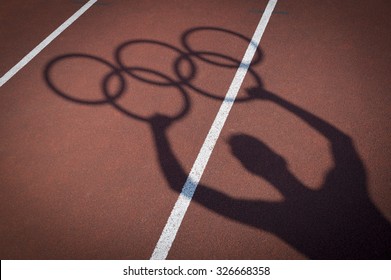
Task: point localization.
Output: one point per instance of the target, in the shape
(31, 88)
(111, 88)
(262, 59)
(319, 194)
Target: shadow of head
(257, 157)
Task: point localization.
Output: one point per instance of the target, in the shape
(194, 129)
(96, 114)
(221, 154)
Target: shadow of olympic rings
(181, 81)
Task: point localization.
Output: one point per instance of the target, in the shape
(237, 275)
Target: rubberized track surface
(100, 130)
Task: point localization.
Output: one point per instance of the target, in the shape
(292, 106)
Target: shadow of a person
(338, 221)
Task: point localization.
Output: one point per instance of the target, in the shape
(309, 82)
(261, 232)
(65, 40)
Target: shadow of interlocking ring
(69, 95)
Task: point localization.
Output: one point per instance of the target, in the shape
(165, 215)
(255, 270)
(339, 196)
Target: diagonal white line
(44, 43)
(178, 212)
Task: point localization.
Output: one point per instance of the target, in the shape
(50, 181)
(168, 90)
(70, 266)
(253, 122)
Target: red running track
(301, 169)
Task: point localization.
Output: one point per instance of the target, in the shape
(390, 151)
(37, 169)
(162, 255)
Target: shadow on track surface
(338, 221)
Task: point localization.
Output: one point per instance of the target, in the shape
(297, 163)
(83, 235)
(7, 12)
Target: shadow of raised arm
(348, 171)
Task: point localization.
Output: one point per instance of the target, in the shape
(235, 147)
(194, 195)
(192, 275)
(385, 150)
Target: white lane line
(44, 43)
(178, 212)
